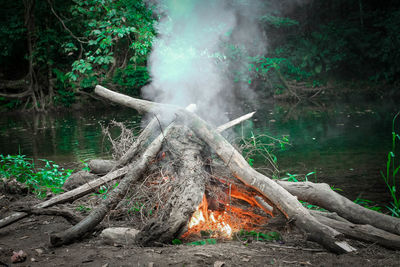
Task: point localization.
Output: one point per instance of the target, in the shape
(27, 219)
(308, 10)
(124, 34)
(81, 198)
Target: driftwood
(186, 197)
(101, 166)
(79, 178)
(67, 214)
(286, 202)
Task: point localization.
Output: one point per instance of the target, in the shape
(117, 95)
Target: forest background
(53, 53)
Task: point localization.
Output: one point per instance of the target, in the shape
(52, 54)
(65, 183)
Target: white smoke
(189, 64)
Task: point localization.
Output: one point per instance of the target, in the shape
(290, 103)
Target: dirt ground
(32, 236)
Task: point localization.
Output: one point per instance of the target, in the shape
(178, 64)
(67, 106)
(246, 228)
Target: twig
(296, 248)
(64, 26)
(67, 214)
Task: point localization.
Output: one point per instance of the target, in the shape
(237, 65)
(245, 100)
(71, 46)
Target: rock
(101, 166)
(119, 235)
(39, 251)
(219, 264)
(78, 179)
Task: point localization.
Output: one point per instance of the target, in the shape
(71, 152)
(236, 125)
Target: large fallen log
(322, 195)
(363, 232)
(286, 202)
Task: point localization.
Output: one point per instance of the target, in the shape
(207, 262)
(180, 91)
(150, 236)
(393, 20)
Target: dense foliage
(53, 52)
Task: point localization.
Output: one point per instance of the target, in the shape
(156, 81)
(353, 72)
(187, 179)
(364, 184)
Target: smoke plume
(193, 56)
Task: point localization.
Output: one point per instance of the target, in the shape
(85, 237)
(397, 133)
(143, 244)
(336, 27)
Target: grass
(392, 170)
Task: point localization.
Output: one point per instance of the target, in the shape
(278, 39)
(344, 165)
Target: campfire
(225, 205)
(222, 223)
(193, 181)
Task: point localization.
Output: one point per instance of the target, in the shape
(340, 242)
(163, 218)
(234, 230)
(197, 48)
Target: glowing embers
(222, 224)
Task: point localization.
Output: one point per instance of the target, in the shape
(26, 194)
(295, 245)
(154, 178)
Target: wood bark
(101, 166)
(77, 179)
(286, 202)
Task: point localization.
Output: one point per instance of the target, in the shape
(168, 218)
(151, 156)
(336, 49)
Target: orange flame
(222, 224)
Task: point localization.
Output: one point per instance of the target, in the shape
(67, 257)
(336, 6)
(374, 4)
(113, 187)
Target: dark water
(346, 144)
(62, 137)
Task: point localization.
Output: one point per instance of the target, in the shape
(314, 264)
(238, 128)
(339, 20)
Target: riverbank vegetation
(54, 53)
(39, 180)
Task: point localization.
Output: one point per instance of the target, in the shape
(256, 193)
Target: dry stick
(285, 201)
(234, 122)
(264, 205)
(322, 195)
(144, 137)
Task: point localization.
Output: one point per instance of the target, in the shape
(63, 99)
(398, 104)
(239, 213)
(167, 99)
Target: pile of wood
(189, 144)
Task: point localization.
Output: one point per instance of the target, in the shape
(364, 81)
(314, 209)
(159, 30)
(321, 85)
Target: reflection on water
(345, 144)
(64, 138)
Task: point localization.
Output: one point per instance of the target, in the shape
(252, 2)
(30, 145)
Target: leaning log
(286, 202)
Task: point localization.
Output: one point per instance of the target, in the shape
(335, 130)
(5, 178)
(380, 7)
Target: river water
(345, 144)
